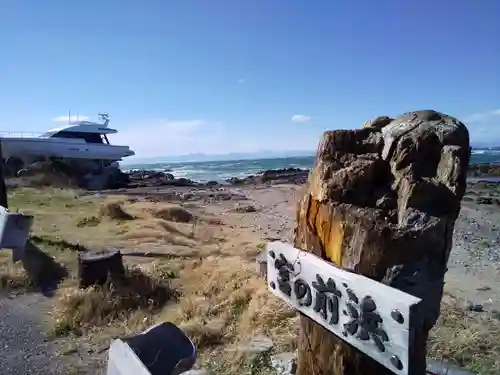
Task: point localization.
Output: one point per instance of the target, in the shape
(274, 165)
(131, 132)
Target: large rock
(107, 178)
(147, 178)
(273, 176)
(81, 173)
(382, 202)
(56, 172)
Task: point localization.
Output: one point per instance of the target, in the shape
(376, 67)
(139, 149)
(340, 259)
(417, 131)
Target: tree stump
(382, 202)
(96, 269)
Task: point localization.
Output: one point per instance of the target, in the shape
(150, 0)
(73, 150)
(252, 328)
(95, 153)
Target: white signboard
(369, 315)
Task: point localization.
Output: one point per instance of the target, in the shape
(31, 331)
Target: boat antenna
(105, 117)
(69, 116)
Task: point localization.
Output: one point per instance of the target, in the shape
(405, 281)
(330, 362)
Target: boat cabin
(88, 137)
(90, 132)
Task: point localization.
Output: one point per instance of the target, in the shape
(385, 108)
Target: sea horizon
(221, 170)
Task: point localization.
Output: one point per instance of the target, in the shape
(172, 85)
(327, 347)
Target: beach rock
(245, 209)
(281, 176)
(284, 363)
(484, 200)
(238, 181)
(81, 173)
(180, 182)
(259, 344)
(108, 178)
(148, 178)
(474, 307)
(294, 175)
(484, 170)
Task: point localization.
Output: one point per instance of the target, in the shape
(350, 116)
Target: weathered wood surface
(382, 202)
(97, 269)
(14, 229)
(367, 314)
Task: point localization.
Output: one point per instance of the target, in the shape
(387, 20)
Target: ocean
(204, 171)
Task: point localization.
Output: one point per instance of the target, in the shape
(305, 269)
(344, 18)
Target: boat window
(88, 137)
(92, 138)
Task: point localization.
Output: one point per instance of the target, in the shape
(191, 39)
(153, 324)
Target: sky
(222, 76)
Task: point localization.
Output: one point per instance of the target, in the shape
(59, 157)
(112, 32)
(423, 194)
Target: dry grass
(114, 211)
(219, 299)
(468, 339)
(13, 278)
(139, 292)
(224, 303)
(174, 213)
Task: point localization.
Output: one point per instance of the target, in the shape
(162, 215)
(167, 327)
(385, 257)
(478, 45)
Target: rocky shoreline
(151, 178)
(484, 170)
(296, 176)
(92, 176)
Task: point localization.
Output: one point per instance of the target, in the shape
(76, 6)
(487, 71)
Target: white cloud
(241, 80)
(301, 118)
(72, 118)
(169, 137)
(482, 116)
(164, 137)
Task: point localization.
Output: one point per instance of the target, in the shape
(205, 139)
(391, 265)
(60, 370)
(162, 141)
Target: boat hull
(32, 148)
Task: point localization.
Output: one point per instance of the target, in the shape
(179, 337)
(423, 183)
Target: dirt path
(24, 349)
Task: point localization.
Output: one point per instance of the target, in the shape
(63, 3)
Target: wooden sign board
(14, 229)
(369, 315)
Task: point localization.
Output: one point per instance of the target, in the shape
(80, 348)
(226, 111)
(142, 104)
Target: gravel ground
(23, 348)
(474, 264)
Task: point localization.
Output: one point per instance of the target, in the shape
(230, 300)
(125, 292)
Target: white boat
(76, 140)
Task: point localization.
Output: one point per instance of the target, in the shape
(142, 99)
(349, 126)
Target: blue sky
(246, 75)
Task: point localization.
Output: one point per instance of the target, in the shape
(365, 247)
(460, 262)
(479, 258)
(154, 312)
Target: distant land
(493, 146)
(195, 157)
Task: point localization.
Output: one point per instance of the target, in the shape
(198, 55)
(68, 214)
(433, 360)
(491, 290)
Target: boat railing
(19, 134)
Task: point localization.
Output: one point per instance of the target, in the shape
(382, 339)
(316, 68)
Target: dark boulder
(276, 176)
(180, 182)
